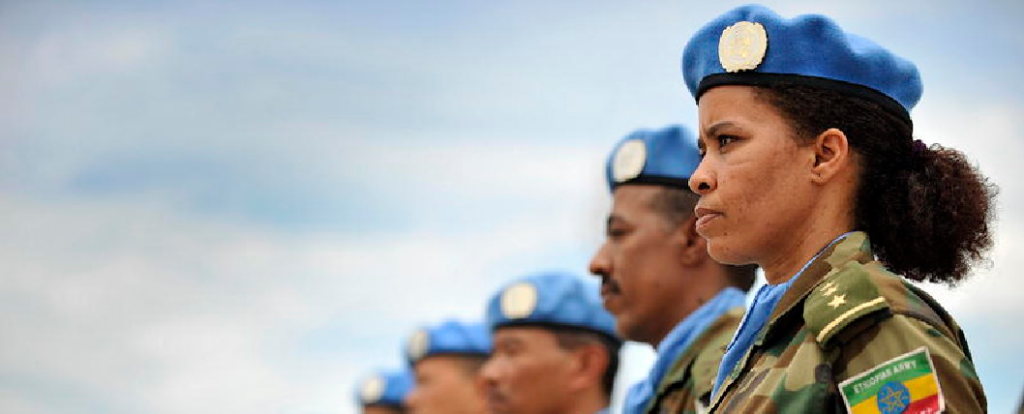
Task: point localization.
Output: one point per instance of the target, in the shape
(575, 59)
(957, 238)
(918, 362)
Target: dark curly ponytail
(926, 209)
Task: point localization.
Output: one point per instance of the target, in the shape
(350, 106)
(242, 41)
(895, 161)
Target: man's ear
(692, 247)
(592, 361)
(831, 155)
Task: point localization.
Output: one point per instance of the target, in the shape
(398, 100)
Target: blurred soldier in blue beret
(446, 360)
(384, 392)
(657, 277)
(555, 348)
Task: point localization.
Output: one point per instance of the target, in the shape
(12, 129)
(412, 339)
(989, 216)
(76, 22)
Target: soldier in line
(555, 348)
(384, 392)
(810, 170)
(446, 361)
(657, 277)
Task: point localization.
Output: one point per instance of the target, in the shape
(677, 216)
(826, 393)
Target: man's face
(643, 278)
(445, 384)
(527, 373)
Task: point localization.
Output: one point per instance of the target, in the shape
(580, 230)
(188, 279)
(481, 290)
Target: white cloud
(80, 53)
(131, 303)
(986, 134)
(170, 313)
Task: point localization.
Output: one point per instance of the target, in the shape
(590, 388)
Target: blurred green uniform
(688, 384)
(849, 335)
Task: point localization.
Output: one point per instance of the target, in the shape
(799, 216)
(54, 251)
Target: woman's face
(754, 180)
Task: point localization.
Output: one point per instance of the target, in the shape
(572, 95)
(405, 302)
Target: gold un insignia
(629, 160)
(372, 390)
(419, 344)
(742, 46)
(519, 301)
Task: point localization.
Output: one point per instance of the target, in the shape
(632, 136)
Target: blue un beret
(385, 388)
(551, 299)
(752, 45)
(449, 338)
(665, 157)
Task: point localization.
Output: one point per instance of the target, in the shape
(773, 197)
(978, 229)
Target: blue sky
(243, 207)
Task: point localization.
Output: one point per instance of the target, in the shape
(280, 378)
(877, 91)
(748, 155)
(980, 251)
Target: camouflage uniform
(686, 388)
(844, 317)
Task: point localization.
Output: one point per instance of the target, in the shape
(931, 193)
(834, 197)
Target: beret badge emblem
(629, 160)
(519, 301)
(742, 46)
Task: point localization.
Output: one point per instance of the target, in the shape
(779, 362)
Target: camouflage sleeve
(705, 367)
(903, 362)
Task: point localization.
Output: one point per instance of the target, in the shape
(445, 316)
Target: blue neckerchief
(676, 342)
(756, 317)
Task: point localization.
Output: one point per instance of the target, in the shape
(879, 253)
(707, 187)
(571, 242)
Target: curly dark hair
(927, 209)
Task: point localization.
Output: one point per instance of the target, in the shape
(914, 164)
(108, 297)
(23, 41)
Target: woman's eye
(724, 140)
(616, 233)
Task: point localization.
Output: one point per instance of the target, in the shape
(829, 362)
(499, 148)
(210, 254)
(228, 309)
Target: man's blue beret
(752, 45)
(448, 338)
(551, 300)
(666, 157)
(385, 388)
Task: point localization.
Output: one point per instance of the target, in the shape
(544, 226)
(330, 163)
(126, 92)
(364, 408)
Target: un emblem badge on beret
(742, 46)
(372, 390)
(419, 343)
(629, 160)
(519, 301)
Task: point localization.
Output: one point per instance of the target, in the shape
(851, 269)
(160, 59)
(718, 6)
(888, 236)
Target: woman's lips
(705, 216)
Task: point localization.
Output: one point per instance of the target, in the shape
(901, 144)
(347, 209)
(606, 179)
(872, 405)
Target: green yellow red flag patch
(903, 385)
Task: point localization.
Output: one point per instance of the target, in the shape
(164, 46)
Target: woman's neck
(811, 237)
(830, 216)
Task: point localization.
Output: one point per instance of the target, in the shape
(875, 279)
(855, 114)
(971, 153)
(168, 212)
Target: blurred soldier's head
(555, 348)
(384, 392)
(654, 267)
(446, 361)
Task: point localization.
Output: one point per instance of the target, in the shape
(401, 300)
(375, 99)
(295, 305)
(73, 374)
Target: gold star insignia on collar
(837, 301)
(830, 288)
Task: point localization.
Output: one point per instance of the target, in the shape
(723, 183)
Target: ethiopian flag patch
(903, 385)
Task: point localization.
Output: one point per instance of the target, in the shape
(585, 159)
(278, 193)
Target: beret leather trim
(555, 326)
(662, 180)
(769, 79)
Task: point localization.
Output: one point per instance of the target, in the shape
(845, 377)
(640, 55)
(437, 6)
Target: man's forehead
(635, 194)
(439, 363)
(524, 335)
(633, 199)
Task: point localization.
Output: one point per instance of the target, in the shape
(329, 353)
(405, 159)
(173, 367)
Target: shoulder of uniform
(699, 363)
(718, 336)
(733, 317)
(846, 295)
(859, 290)
(914, 302)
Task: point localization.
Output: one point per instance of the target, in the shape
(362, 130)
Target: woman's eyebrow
(714, 128)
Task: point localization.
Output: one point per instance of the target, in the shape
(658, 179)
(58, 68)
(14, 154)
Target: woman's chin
(726, 253)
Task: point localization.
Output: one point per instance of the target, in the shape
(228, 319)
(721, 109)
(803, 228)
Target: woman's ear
(831, 155)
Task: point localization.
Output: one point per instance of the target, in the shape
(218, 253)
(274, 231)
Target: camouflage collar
(854, 246)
